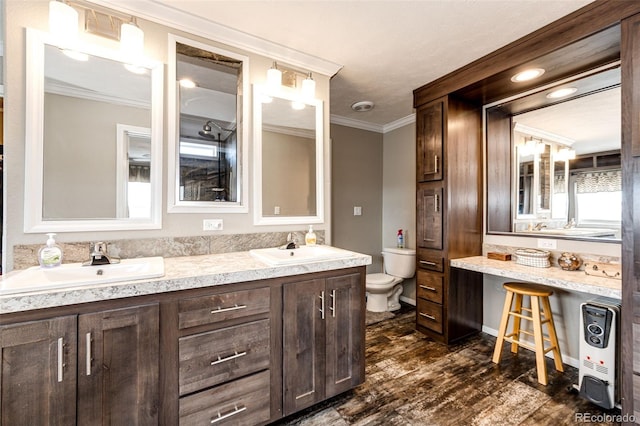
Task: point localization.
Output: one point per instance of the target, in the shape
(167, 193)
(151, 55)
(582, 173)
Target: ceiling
(387, 48)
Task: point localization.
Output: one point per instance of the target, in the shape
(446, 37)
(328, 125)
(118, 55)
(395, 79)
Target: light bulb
(63, 24)
(131, 41)
(308, 87)
(274, 77)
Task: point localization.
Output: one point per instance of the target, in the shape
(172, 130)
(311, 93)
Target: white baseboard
(565, 359)
(408, 300)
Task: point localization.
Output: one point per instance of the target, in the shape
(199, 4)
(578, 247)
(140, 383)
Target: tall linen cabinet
(449, 216)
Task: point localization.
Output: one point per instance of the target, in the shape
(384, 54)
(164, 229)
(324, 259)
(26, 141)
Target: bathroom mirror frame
(259, 92)
(34, 222)
(174, 204)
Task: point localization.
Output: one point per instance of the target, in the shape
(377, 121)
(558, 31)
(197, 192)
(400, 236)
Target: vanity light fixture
(308, 87)
(131, 40)
(63, 23)
(527, 75)
(561, 93)
(274, 77)
(565, 154)
(63, 26)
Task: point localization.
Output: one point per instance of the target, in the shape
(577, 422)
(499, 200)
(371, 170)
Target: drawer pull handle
(426, 262)
(436, 203)
(333, 303)
(426, 287)
(321, 305)
(431, 317)
(232, 308)
(236, 410)
(88, 359)
(229, 358)
(60, 359)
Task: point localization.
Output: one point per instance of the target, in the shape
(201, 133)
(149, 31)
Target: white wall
(399, 193)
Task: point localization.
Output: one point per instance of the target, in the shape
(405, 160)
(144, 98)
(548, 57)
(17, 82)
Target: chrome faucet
(571, 224)
(539, 226)
(291, 242)
(98, 255)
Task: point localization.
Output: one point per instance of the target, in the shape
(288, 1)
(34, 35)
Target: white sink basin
(303, 254)
(74, 275)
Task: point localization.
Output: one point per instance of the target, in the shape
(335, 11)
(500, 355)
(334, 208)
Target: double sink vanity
(235, 338)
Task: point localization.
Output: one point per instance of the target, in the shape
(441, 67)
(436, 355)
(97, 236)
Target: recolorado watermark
(603, 418)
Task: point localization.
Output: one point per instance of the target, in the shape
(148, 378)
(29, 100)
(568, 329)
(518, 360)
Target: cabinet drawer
(214, 357)
(222, 307)
(430, 286)
(429, 315)
(241, 402)
(431, 261)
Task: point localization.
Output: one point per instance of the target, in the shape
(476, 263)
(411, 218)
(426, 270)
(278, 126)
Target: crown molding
(401, 122)
(173, 18)
(358, 124)
(372, 127)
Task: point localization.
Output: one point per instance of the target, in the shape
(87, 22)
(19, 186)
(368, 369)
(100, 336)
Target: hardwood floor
(412, 380)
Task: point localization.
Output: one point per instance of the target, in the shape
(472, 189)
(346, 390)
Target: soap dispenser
(310, 237)
(50, 255)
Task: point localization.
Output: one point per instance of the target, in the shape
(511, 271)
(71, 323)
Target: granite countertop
(553, 276)
(181, 273)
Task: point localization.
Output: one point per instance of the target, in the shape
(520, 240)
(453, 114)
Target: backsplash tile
(25, 256)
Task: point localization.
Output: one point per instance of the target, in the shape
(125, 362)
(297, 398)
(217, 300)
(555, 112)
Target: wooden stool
(539, 299)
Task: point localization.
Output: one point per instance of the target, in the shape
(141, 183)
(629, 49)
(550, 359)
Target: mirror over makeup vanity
(564, 156)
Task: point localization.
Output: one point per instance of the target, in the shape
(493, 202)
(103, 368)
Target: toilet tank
(399, 262)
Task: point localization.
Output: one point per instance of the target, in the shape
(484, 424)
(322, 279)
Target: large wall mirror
(288, 159)
(207, 87)
(565, 158)
(93, 140)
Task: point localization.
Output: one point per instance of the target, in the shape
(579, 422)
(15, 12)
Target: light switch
(357, 211)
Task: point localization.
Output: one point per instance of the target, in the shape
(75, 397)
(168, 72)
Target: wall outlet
(547, 244)
(276, 210)
(357, 211)
(212, 225)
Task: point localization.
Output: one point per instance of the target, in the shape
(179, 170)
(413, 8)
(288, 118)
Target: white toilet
(384, 290)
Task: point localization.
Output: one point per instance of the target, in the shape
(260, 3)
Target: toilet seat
(381, 280)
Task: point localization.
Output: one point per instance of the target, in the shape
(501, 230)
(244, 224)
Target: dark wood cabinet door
(118, 367)
(345, 334)
(430, 141)
(38, 375)
(429, 205)
(305, 309)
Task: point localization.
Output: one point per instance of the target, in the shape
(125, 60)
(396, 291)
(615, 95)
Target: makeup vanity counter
(552, 276)
(219, 338)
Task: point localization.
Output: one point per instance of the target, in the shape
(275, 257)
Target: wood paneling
(499, 183)
(430, 140)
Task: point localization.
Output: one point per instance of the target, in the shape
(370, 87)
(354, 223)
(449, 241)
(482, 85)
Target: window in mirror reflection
(209, 92)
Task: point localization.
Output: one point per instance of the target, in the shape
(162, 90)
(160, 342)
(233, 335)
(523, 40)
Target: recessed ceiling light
(561, 93)
(187, 83)
(362, 106)
(527, 75)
